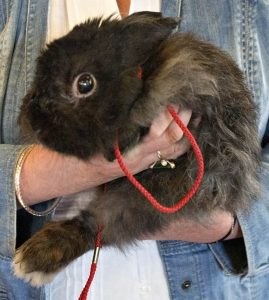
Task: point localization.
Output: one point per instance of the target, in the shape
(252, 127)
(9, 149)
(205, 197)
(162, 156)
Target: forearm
(47, 174)
(207, 230)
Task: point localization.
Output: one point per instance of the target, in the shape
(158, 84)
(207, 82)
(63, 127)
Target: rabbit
(86, 94)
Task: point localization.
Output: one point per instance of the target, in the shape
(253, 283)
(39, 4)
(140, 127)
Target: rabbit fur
(64, 115)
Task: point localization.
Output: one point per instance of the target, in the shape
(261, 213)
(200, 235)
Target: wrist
(233, 232)
(36, 176)
(236, 231)
(17, 185)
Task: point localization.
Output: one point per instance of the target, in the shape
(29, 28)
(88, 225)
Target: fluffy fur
(177, 69)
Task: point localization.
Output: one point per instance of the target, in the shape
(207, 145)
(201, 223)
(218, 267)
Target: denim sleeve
(255, 224)
(250, 254)
(11, 233)
(8, 158)
(22, 36)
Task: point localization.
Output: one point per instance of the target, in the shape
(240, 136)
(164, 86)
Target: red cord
(98, 245)
(196, 183)
(183, 201)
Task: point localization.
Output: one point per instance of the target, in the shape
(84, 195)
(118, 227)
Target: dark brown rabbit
(86, 92)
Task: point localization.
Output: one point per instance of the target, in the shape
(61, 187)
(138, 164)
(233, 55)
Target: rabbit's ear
(144, 31)
(151, 21)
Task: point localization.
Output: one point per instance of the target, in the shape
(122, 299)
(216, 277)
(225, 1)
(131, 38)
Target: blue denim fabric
(19, 47)
(216, 271)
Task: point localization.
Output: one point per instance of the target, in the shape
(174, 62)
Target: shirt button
(186, 285)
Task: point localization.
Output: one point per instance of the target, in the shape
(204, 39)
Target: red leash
(98, 245)
(183, 201)
(196, 183)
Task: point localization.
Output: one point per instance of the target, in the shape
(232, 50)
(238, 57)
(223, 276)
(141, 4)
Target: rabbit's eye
(84, 85)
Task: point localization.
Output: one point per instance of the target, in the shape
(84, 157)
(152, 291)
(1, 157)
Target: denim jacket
(236, 269)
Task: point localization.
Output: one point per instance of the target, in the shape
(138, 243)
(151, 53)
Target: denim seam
(253, 288)
(6, 37)
(248, 243)
(12, 202)
(27, 44)
(178, 7)
(11, 210)
(247, 55)
(30, 36)
(179, 2)
(3, 14)
(171, 285)
(2, 79)
(222, 261)
(252, 268)
(249, 44)
(4, 11)
(199, 276)
(5, 258)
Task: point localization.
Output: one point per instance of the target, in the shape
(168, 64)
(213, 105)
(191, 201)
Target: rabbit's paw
(38, 260)
(22, 266)
(29, 268)
(41, 257)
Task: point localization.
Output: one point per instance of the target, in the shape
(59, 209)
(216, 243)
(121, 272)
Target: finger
(175, 150)
(171, 136)
(173, 133)
(159, 125)
(138, 159)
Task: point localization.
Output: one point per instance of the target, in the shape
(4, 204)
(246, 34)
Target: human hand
(47, 174)
(164, 136)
